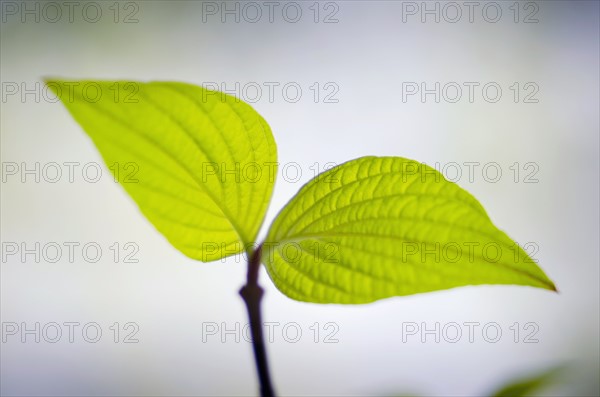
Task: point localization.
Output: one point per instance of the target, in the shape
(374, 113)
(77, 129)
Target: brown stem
(252, 294)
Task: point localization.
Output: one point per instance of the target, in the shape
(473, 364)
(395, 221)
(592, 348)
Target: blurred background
(348, 79)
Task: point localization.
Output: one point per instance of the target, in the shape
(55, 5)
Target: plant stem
(252, 294)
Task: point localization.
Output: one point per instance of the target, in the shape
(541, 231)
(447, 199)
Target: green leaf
(529, 386)
(377, 227)
(198, 163)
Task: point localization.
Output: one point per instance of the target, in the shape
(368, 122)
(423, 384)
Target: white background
(368, 54)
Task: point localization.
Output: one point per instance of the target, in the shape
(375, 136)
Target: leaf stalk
(252, 294)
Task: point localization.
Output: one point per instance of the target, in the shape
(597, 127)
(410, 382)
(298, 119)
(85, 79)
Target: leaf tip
(53, 83)
(550, 286)
(50, 80)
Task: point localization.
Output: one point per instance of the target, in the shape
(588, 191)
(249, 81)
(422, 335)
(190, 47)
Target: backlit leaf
(377, 227)
(198, 163)
(529, 386)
